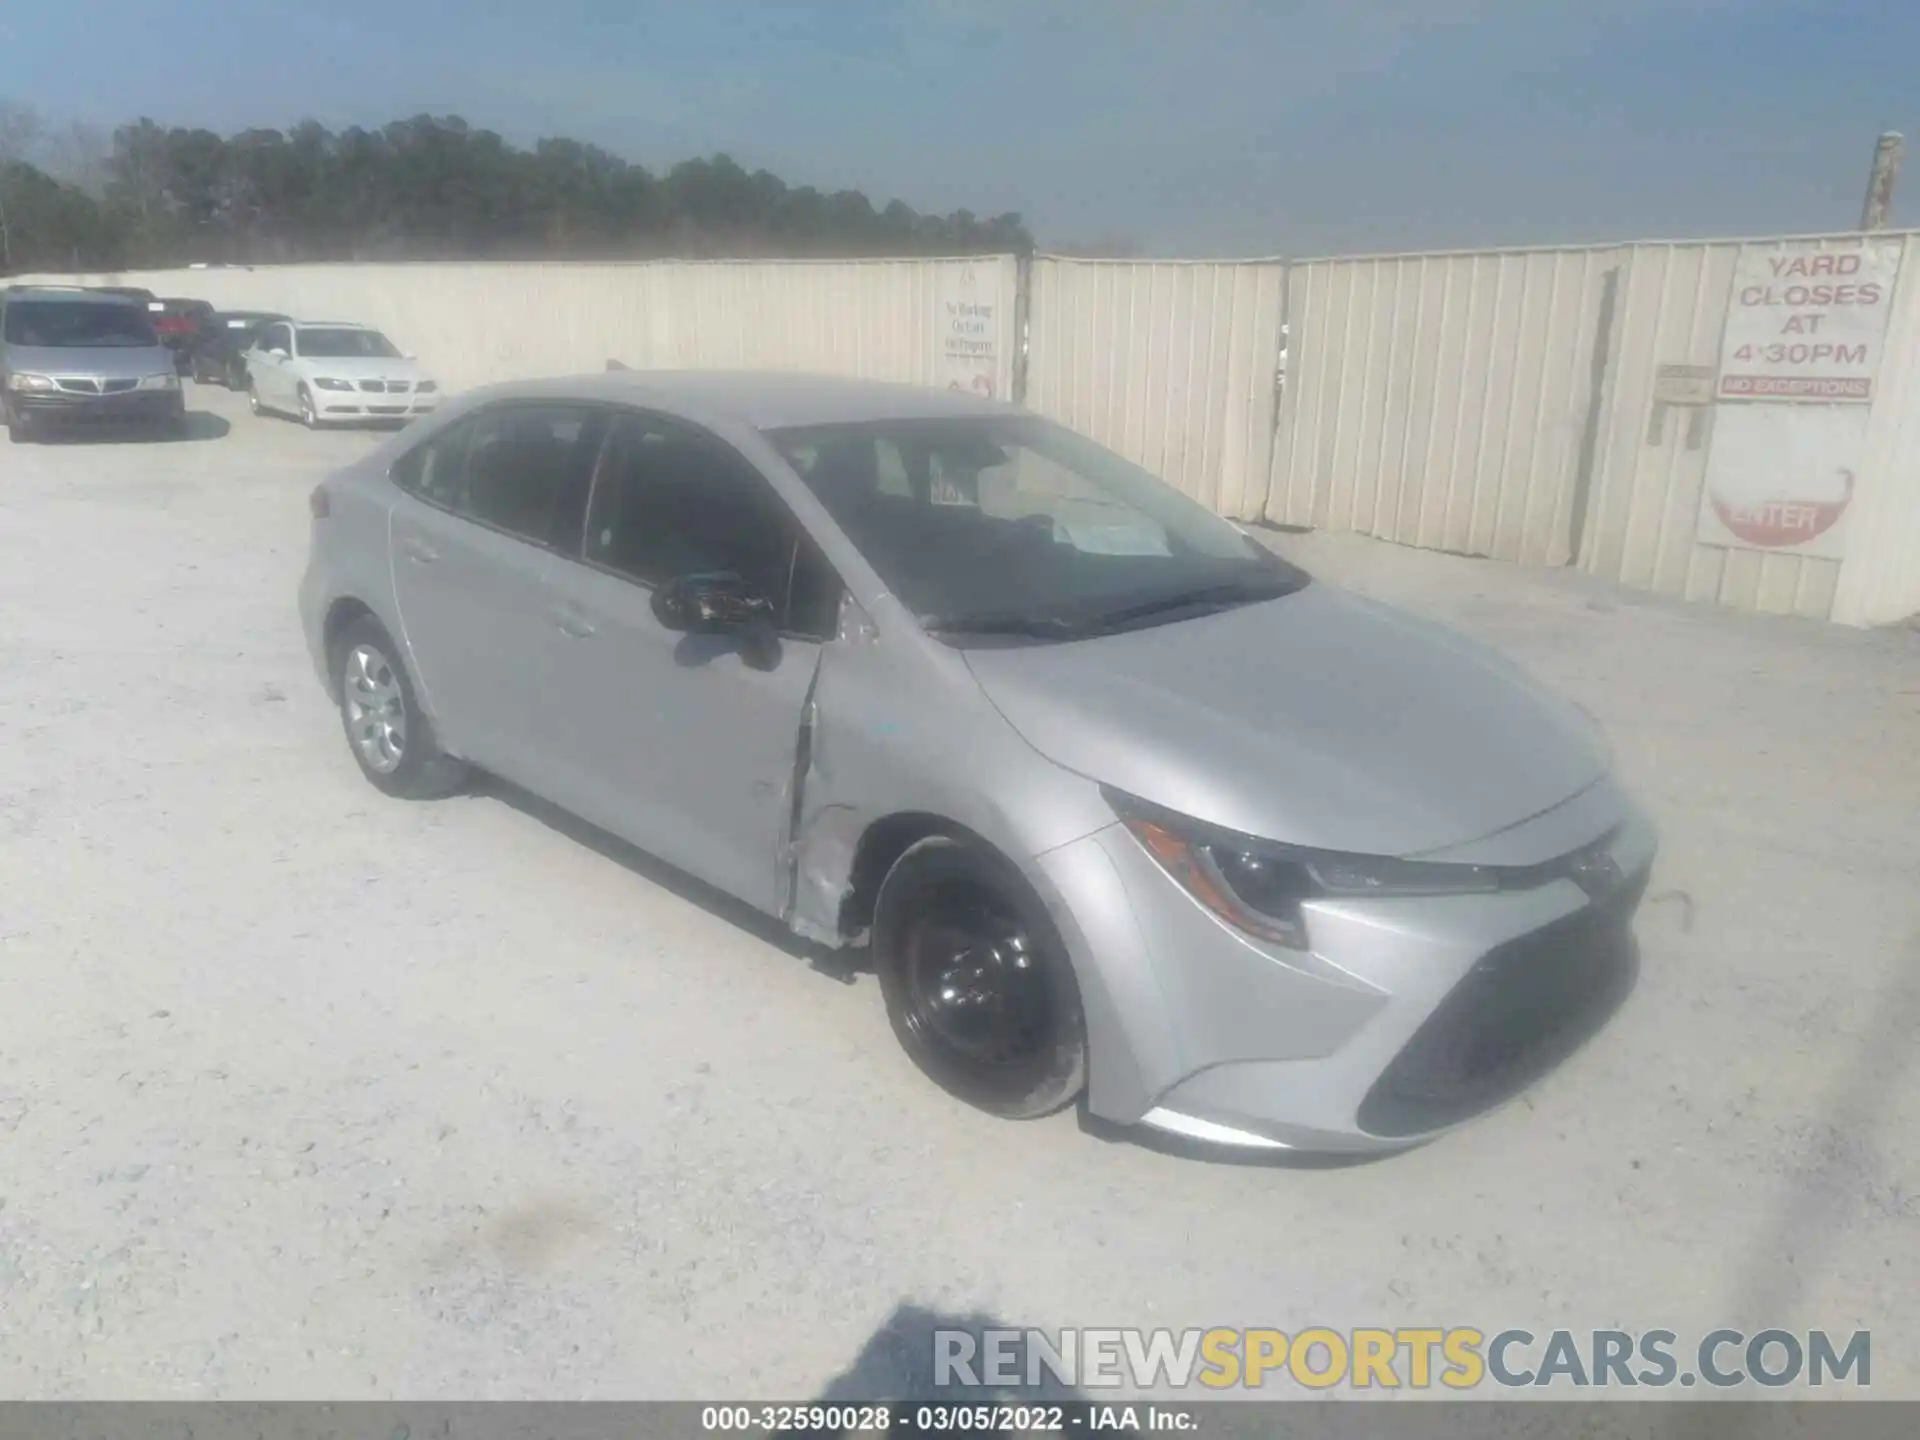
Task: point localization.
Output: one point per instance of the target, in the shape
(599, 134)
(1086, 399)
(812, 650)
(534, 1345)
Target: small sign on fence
(967, 324)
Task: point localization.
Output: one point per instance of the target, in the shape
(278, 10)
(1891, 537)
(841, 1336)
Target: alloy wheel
(376, 708)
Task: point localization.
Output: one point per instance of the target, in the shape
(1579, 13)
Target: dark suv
(214, 354)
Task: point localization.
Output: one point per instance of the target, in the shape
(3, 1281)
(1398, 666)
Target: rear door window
(519, 469)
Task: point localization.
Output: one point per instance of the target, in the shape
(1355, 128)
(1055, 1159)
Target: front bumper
(59, 408)
(361, 405)
(1408, 1017)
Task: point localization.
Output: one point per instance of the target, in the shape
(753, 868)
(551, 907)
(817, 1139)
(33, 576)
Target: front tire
(309, 417)
(387, 733)
(253, 399)
(978, 985)
(18, 431)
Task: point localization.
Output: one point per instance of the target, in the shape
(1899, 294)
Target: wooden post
(1886, 169)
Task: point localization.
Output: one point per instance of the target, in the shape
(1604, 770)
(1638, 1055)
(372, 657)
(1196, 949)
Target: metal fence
(1173, 364)
(476, 324)
(1441, 400)
(1497, 403)
(1510, 404)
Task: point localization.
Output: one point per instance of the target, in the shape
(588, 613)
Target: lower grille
(1522, 1009)
(386, 409)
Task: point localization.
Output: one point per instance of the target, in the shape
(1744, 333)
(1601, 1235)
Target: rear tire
(978, 985)
(388, 735)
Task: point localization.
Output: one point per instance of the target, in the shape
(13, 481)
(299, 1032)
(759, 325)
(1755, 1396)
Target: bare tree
(77, 155)
(20, 131)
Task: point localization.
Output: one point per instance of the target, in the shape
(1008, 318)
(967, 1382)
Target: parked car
(71, 357)
(178, 322)
(217, 353)
(330, 371)
(1117, 798)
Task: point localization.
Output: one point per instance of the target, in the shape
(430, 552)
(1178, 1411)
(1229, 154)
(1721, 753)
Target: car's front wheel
(253, 399)
(309, 417)
(978, 985)
(390, 737)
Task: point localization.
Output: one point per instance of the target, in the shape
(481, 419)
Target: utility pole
(1886, 169)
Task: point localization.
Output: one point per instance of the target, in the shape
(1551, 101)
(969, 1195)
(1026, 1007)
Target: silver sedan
(1121, 804)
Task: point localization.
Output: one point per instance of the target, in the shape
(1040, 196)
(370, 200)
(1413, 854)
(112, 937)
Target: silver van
(73, 357)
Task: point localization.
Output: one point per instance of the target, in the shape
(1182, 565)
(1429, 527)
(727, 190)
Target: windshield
(78, 325)
(347, 344)
(1016, 526)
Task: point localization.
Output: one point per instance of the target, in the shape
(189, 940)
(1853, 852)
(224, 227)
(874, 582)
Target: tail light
(317, 504)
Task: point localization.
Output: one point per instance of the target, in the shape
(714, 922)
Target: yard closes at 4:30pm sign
(1807, 322)
(1799, 363)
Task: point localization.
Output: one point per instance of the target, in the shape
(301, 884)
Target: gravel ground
(308, 1093)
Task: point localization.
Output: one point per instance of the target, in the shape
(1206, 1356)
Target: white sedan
(326, 372)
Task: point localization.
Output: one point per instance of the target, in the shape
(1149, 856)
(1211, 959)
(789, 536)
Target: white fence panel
(475, 324)
(1441, 400)
(1645, 504)
(1879, 582)
(1172, 364)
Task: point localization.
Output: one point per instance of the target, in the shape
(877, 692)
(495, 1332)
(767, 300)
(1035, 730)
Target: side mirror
(711, 604)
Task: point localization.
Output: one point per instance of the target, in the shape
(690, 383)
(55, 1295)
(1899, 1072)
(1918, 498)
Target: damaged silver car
(1121, 803)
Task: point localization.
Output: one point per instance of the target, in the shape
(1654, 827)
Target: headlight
(425, 387)
(334, 384)
(1258, 885)
(30, 382)
(160, 382)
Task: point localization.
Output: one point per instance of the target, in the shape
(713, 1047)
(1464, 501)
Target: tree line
(428, 188)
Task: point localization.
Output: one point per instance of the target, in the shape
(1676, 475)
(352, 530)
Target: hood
(363, 367)
(100, 362)
(1318, 719)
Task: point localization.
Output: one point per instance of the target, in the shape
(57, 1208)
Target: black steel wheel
(978, 985)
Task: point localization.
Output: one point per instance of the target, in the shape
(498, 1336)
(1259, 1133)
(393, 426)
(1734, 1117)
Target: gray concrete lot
(309, 1093)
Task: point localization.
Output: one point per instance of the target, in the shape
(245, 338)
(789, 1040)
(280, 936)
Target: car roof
(67, 295)
(330, 325)
(760, 400)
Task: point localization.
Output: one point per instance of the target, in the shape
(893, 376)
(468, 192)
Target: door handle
(419, 552)
(573, 623)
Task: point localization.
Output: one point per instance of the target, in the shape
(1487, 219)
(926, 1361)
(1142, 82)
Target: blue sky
(1187, 126)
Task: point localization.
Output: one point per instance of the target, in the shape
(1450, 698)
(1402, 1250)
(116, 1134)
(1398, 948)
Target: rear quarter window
(432, 470)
